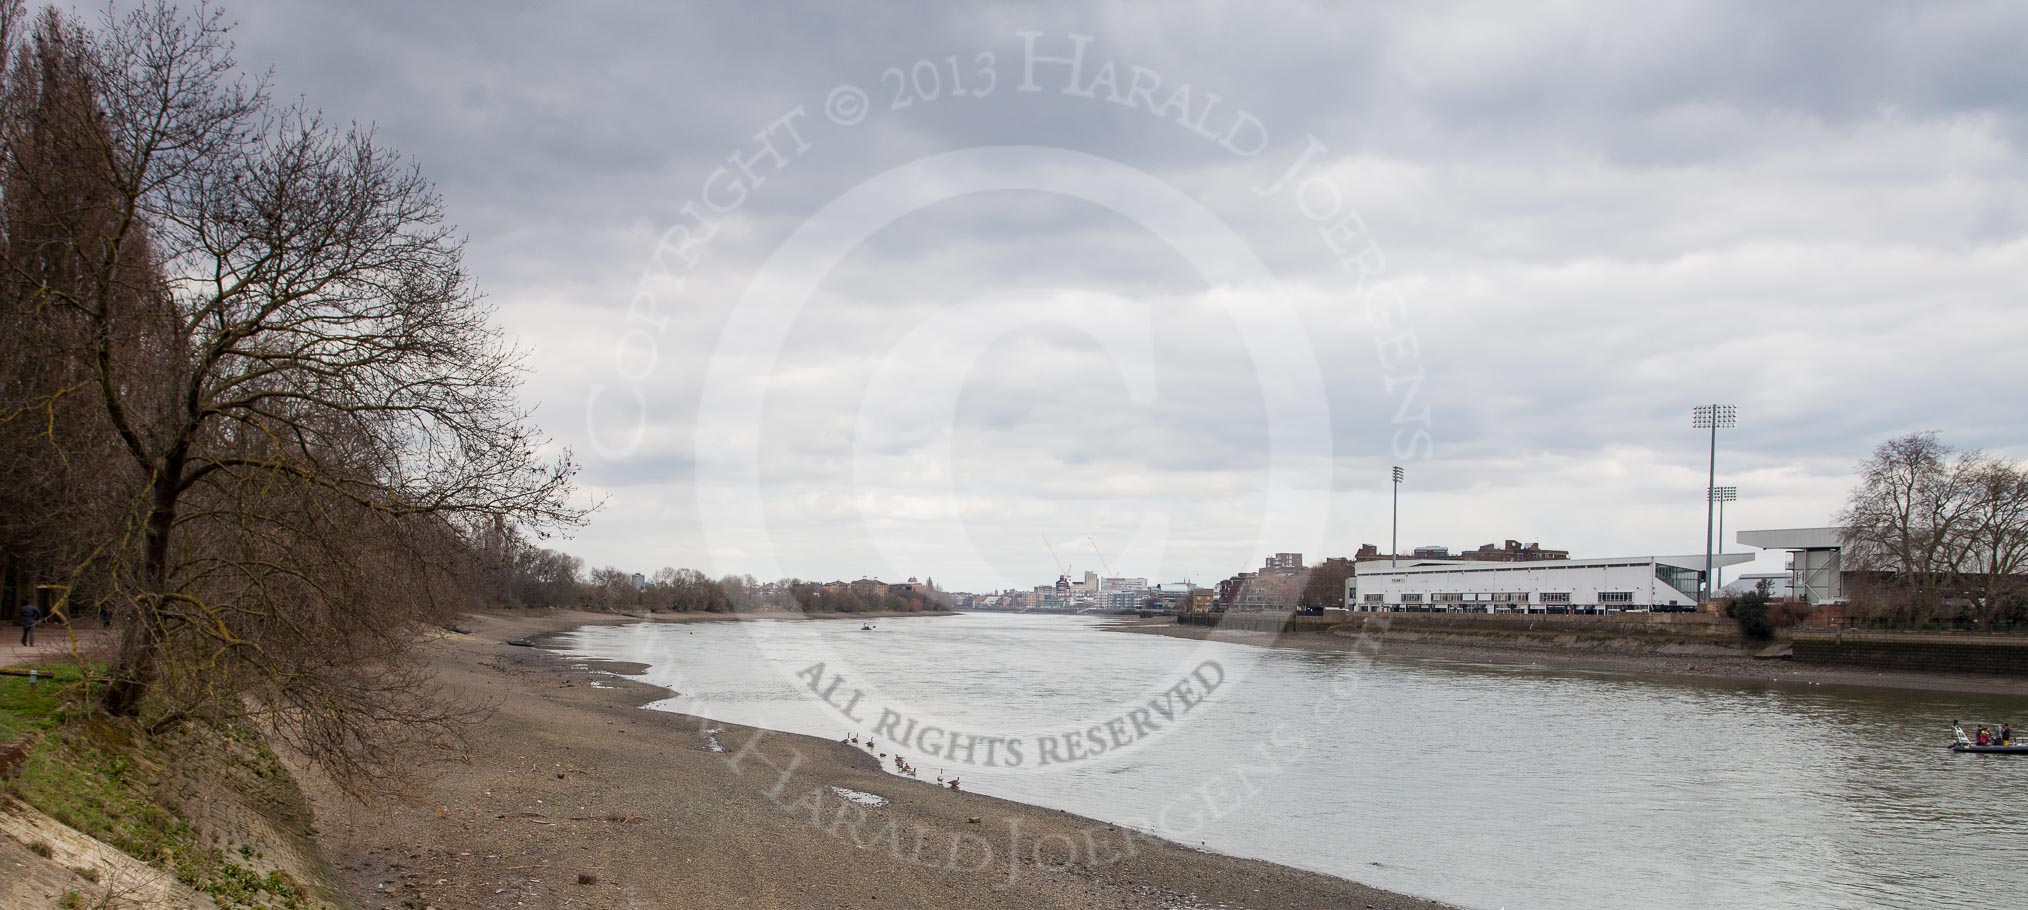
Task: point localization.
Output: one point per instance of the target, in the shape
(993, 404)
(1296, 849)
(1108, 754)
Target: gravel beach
(572, 796)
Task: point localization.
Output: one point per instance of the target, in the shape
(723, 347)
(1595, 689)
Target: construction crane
(1102, 563)
(1101, 556)
(1060, 570)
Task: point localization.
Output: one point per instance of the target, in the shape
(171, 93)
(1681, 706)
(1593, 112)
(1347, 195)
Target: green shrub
(1750, 611)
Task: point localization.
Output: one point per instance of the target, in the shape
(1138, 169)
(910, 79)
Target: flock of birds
(901, 764)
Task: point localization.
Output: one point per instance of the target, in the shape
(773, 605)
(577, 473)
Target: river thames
(1480, 785)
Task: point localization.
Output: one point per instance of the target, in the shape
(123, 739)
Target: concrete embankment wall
(1674, 633)
(1980, 655)
(1658, 633)
(1688, 634)
(1258, 622)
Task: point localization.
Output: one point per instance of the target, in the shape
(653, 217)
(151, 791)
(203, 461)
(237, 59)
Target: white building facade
(1632, 584)
(1816, 560)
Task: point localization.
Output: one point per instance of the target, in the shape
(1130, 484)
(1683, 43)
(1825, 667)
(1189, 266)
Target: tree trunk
(135, 669)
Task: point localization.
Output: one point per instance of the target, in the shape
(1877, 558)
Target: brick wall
(1938, 654)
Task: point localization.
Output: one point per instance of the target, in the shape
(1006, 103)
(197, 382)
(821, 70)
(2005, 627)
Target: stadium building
(1628, 584)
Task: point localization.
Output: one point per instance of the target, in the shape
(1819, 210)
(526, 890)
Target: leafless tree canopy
(252, 398)
(1943, 534)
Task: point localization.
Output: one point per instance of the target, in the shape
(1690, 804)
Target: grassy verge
(25, 709)
(104, 778)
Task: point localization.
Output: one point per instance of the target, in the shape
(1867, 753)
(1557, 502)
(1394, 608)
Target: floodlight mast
(1394, 539)
(1712, 416)
(1722, 495)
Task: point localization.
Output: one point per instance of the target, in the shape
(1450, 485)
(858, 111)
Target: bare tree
(1996, 533)
(1946, 530)
(315, 415)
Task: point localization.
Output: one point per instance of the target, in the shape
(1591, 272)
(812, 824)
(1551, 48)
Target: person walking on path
(28, 616)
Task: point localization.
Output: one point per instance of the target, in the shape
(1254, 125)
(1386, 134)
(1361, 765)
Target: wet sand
(1649, 663)
(571, 795)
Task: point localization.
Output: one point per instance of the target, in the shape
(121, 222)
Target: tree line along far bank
(518, 574)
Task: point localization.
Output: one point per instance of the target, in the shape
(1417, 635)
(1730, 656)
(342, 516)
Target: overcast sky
(926, 333)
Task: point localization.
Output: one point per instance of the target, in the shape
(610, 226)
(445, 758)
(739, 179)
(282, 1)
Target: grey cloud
(1598, 217)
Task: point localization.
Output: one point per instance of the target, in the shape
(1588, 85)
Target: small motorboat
(865, 627)
(1961, 742)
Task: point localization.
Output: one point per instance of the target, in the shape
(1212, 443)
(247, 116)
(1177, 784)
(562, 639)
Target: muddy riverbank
(571, 796)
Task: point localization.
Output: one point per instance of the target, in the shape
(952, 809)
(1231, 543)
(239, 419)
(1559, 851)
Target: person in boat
(1985, 736)
(2006, 734)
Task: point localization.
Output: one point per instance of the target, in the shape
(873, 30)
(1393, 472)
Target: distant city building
(1285, 561)
(1512, 551)
(1272, 588)
(863, 586)
(1127, 599)
(1272, 591)
(1507, 551)
(1229, 589)
(1176, 598)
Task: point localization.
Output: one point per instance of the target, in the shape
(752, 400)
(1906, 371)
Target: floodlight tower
(1722, 495)
(1394, 541)
(1714, 417)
